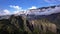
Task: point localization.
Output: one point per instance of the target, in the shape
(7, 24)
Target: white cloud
(46, 12)
(51, 1)
(33, 7)
(15, 12)
(5, 12)
(15, 7)
(18, 9)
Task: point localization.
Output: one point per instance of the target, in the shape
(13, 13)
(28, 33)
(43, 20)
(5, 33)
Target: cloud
(48, 11)
(18, 9)
(33, 7)
(15, 12)
(15, 7)
(51, 1)
(5, 12)
(51, 11)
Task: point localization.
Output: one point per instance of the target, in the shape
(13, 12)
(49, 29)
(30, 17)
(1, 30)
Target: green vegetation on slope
(19, 25)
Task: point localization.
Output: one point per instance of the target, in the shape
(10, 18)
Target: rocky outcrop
(39, 24)
(20, 25)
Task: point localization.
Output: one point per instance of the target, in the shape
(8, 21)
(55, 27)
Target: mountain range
(34, 21)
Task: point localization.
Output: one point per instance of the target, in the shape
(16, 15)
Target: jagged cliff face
(19, 24)
(13, 25)
(46, 22)
(54, 18)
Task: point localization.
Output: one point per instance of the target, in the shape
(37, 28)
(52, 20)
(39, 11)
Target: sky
(14, 6)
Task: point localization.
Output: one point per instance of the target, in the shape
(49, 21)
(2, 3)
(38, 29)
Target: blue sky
(17, 5)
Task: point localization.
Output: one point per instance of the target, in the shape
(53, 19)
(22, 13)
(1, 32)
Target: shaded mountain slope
(13, 25)
(48, 22)
(20, 25)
